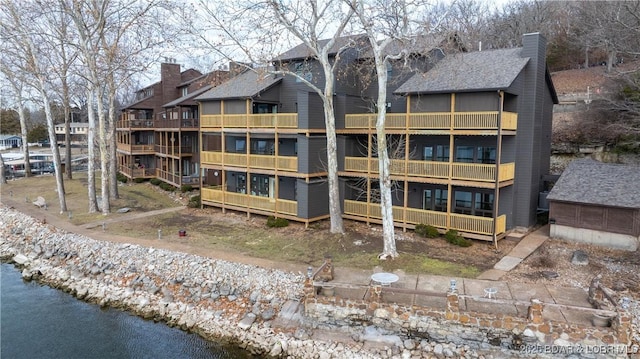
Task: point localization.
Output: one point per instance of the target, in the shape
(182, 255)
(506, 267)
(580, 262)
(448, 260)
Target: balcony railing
(460, 222)
(135, 123)
(480, 120)
(174, 150)
(177, 178)
(143, 149)
(256, 120)
(281, 163)
(274, 205)
(414, 168)
(177, 123)
(137, 172)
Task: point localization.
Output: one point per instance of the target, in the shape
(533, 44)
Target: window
(464, 154)
(241, 183)
(302, 70)
(427, 153)
(435, 200)
(263, 147)
(462, 202)
(442, 153)
(483, 205)
(262, 186)
(185, 91)
(486, 154)
(240, 145)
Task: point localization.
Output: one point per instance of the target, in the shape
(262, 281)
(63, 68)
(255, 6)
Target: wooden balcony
(177, 179)
(137, 172)
(136, 149)
(460, 222)
(481, 120)
(136, 123)
(265, 204)
(269, 162)
(256, 120)
(413, 168)
(175, 151)
(188, 123)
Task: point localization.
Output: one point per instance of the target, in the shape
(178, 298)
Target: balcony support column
(451, 146)
(496, 195)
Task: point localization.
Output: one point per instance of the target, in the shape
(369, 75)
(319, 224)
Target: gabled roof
(462, 72)
(302, 51)
(188, 97)
(591, 182)
(420, 44)
(8, 137)
(246, 85)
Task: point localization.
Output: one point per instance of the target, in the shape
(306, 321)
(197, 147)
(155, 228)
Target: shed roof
(476, 71)
(188, 97)
(592, 182)
(247, 84)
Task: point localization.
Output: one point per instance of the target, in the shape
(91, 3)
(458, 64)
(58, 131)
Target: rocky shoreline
(222, 301)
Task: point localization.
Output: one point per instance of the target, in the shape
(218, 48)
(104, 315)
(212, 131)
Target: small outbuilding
(10, 141)
(597, 203)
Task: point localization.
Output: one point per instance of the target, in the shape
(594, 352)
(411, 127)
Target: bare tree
(16, 82)
(264, 26)
(22, 25)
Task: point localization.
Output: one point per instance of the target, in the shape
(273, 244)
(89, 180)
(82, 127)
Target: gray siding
(313, 198)
(312, 154)
(531, 144)
(211, 108)
(478, 101)
(235, 107)
(506, 205)
(431, 103)
(271, 95)
(287, 188)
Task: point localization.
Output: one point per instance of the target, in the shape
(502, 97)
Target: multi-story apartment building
(470, 134)
(471, 147)
(157, 136)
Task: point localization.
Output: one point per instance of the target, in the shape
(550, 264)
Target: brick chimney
(170, 79)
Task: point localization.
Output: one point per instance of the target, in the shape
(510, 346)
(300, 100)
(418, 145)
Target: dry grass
(210, 229)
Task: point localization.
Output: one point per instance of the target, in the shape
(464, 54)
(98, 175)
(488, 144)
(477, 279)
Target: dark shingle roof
(302, 51)
(189, 96)
(248, 84)
(481, 70)
(591, 182)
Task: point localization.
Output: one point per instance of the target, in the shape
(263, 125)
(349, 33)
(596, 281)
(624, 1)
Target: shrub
(274, 222)
(121, 178)
(426, 230)
(139, 180)
(186, 188)
(453, 237)
(167, 187)
(156, 181)
(194, 202)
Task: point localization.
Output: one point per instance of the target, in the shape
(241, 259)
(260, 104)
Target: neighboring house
(10, 141)
(157, 134)
(597, 203)
(78, 131)
(472, 137)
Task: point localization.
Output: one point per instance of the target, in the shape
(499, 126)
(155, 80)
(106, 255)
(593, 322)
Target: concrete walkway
(527, 245)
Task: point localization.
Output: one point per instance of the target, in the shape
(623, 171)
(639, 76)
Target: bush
(121, 178)
(453, 237)
(186, 188)
(139, 180)
(194, 202)
(274, 222)
(426, 230)
(167, 187)
(156, 181)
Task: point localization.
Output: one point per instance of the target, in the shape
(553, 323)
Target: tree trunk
(111, 130)
(3, 178)
(67, 138)
(104, 156)
(335, 212)
(386, 203)
(54, 150)
(23, 134)
(91, 147)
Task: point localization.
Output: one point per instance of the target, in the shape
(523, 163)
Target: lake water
(41, 322)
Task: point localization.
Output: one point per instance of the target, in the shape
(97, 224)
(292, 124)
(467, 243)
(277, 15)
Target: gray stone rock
(247, 321)
(124, 210)
(268, 314)
(580, 258)
(409, 344)
(20, 259)
(438, 349)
